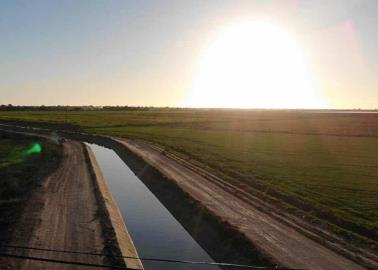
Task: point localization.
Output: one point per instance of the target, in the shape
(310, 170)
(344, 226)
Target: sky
(148, 53)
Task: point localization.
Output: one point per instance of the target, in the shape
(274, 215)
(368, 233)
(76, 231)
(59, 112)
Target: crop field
(324, 162)
(20, 171)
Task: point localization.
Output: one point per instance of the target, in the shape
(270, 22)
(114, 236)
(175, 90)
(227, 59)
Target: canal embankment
(275, 240)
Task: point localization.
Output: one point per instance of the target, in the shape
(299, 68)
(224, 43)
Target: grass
(20, 172)
(323, 162)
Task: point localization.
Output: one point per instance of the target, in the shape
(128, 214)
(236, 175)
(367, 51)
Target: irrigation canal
(155, 232)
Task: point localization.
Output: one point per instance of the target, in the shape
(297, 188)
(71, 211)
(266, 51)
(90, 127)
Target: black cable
(148, 259)
(63, 261)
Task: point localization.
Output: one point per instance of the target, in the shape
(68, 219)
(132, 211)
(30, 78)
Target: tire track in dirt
(61, 214)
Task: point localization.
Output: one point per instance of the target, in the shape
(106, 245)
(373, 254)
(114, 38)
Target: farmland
(325, 163)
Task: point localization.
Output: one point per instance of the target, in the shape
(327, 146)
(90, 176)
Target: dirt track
(280, 242)
(63, 214)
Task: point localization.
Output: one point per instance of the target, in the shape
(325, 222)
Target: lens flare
(36, 148)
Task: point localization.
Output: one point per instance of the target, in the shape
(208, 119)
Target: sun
(253, 65)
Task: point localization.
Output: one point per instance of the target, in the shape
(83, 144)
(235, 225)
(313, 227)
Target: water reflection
(155, 232)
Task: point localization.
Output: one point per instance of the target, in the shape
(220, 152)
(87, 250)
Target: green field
(24, 161)
(323, 162)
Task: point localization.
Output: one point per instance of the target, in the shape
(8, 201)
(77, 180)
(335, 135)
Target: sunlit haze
(234, 54)
(253, 64)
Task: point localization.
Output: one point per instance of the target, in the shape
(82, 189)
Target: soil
(62, 214)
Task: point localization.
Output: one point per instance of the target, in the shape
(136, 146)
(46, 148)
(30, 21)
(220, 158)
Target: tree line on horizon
(67, 108)
(10, 107)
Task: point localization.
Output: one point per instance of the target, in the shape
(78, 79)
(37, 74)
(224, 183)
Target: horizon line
(183, 107)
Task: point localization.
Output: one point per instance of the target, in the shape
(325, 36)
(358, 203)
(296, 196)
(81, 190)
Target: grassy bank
(24, 162)
(325, 163)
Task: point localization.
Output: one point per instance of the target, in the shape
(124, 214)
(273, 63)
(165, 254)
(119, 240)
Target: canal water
(155, 232)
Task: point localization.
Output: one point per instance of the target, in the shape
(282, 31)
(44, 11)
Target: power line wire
(63, 261)
(148, 259)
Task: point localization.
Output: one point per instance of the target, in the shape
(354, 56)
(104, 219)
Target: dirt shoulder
(62, 214)
(278, 241)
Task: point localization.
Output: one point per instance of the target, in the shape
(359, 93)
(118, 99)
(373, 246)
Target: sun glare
(253, 65)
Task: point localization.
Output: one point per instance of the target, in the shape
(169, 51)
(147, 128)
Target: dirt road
(282, 243)
(63, 214)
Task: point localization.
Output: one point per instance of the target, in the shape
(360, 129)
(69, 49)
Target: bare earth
(63, 215)
(282, 243)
